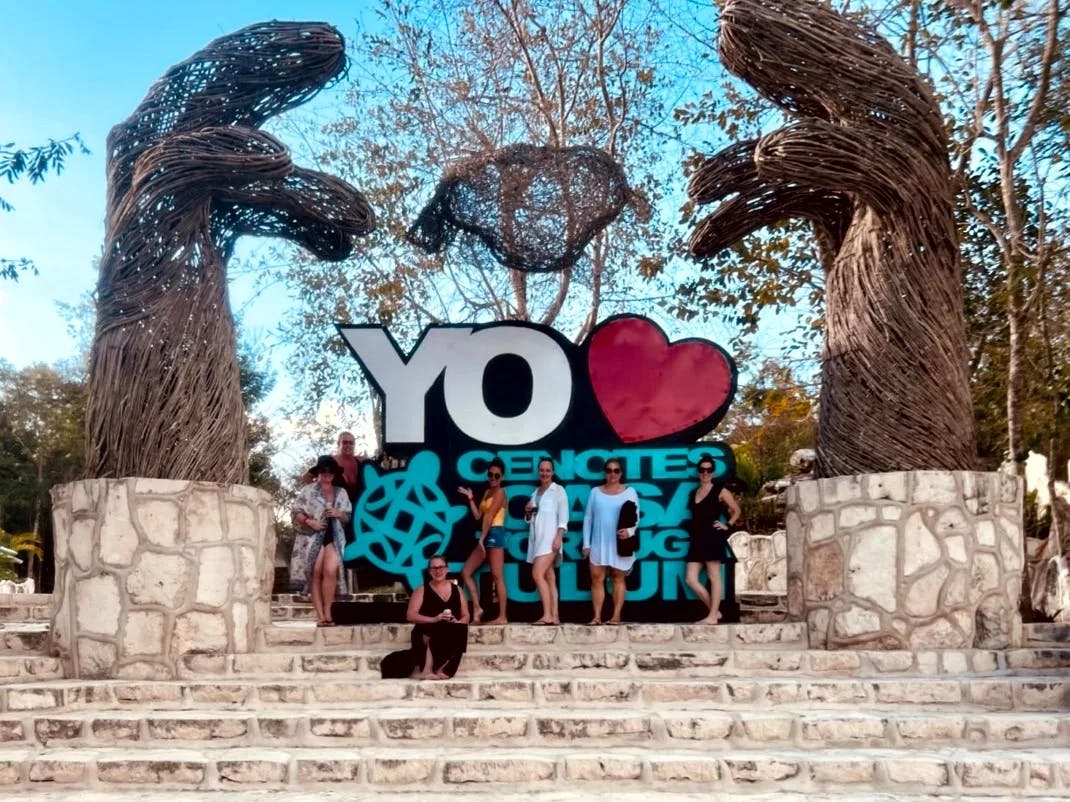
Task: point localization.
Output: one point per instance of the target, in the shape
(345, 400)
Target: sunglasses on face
(438, 568)
(705, 470)
(612, 470)
(493, 475)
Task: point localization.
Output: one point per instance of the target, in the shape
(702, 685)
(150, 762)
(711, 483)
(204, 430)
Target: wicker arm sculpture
(867, 164)
(188, 173)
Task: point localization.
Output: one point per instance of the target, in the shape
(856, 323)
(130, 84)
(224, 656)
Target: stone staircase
(643, 711)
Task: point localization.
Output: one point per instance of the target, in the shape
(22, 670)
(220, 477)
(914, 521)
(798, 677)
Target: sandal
(325, 624)
(541, 623)
(594, 622)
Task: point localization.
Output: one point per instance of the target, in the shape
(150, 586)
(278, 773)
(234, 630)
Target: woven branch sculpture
(866, 163)
(532, 207)
(188, 173)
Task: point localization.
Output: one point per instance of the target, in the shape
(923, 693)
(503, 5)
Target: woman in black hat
(321, 511)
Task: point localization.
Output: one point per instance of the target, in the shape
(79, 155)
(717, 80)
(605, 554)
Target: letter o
(551, 392)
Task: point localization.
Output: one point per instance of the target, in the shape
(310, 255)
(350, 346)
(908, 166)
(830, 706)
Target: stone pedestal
(908, 560)
(150, 569)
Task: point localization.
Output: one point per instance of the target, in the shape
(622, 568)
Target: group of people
(713, 508)
(438, 609)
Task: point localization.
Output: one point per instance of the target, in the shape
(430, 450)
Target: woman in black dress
(440, 615)
(710, 506)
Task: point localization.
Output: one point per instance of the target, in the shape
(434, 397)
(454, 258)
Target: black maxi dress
(707, 543)
(447, 640)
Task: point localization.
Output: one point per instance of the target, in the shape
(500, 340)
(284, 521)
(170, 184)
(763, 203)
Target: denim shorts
(495, 538)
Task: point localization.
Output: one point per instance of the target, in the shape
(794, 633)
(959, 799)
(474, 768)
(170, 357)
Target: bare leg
(713, 570)
(471, 565)
(598, 591)
(544, 564)
(330, 580)
(697, 587)
(428, 671)
(496, 558)
(619, 590)
(551, 582)
(316, 590)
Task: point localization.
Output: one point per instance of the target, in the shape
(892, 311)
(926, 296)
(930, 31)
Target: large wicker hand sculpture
(867, 164)
(188, 173)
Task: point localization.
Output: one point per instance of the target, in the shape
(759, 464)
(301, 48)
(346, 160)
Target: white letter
(551, 393)
(404, 382)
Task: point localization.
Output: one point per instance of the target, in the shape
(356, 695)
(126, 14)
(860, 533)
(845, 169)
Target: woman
(322, 510)
(709, 536)
(491, 546)
(600, 536)
(547, 516)
(440, 614)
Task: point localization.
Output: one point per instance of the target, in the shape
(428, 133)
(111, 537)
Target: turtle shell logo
(403, 518)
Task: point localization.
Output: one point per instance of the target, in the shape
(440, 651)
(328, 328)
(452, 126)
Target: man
(351, 464)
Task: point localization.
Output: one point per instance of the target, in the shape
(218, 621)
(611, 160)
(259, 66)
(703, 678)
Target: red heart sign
(648, 388)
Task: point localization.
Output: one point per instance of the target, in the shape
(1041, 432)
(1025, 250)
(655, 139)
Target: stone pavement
(643, 712)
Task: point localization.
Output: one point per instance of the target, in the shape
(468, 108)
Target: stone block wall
(761, 562)
(907, 560)
(150, 569)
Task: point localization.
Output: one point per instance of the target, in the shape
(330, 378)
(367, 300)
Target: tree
(434, 82)
(257, 381)
(775, 415)
(998, 70)
(1013, 140)
(42, 440)
(11, 546)
(35, 164)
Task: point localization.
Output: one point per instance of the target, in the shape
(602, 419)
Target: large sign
(521, 391)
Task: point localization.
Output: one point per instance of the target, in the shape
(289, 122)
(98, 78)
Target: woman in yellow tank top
(491, 546)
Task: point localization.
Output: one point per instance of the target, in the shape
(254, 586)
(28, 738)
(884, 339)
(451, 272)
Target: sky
(81, 67)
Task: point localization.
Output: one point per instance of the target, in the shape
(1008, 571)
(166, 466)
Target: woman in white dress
(600, 536)
(547, 516)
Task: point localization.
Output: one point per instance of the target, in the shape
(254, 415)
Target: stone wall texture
(761, 562)
(150, 569)
(907, 560)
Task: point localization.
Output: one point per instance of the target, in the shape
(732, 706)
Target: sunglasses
(438, 568)
(493, 475)
(612, 470)
(705, 470)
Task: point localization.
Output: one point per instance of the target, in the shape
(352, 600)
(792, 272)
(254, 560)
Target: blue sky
(69, 67)
(82, 67)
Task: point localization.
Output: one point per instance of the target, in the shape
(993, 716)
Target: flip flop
(594, 623)
(541, 623)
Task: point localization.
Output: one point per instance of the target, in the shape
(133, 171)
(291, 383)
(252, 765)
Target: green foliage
(42, 442)
(21, 543)
(34, 164)
(774, 416)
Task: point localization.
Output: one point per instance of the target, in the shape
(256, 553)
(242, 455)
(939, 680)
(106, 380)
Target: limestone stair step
(24, 638)
(18, 668)
(490, 727)
(15, 611)
(635, 661)
(1022, 773)
(1051, 633)
(497, 793)
(283, 636)
(963, 694)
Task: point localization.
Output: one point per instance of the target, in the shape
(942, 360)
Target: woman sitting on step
(439, 613)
